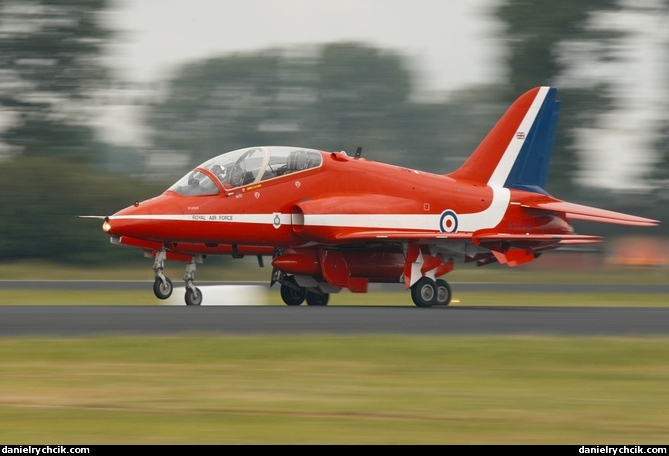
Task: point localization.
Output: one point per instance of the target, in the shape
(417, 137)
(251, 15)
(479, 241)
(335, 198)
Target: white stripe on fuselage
(263, 219)
(488, 218)
(429, 222)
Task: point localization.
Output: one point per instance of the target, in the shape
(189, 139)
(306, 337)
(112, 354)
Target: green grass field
(334, 390)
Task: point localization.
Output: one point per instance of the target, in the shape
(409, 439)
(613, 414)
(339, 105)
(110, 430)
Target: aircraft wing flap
(580, 212)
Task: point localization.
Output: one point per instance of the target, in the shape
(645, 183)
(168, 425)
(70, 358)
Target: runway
(78, 321)
(83, 320)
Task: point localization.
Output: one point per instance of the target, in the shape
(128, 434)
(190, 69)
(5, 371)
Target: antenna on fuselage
(358, 152)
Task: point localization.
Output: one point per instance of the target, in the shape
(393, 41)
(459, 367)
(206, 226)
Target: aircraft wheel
(424, 292)
(443, 293)
(162, 290)
(191, 298)
(318, 299)
(291, 296)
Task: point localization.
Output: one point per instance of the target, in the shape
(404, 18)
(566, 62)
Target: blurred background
(104, 102)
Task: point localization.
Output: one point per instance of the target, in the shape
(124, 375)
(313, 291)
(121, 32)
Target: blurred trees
(335, 97)
(40, 201)
(659, 174)
(50, 67)
(50, 70)
(537, 34)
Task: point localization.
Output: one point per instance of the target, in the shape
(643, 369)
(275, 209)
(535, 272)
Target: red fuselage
(273, 212)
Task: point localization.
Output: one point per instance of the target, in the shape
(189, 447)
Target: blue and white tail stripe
(530, 166)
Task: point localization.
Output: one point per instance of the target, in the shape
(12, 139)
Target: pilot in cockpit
(219, 172)
(237, 176)
(229, 178)
(298, 161)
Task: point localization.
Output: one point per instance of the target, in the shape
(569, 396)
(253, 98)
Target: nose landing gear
(162, 286)
(193, 294)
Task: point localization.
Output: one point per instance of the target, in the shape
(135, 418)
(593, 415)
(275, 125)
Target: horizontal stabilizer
(580, 212)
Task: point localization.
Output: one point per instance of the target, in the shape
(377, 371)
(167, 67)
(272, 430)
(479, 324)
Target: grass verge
(334, 390)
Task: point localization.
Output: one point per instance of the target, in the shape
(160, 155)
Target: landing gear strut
(193, 294)
(162, 286)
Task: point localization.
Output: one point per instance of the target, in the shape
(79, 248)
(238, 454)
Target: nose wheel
(162, 287)
(193, 296)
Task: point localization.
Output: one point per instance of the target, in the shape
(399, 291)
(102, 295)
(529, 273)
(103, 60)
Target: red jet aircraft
(333, 221)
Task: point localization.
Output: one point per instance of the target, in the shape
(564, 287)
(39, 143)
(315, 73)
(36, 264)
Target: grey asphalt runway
(82, 320)
(77, 321)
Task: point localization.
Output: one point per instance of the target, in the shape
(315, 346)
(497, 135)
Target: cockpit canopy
(245, 167)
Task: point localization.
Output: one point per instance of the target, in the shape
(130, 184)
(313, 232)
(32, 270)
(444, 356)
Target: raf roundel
(448, 223)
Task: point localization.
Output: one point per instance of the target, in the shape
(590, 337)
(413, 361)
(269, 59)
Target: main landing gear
(294, 295)
(427, 292)
(162, 286)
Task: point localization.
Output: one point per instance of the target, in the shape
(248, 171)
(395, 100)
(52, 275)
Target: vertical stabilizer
(517, 151)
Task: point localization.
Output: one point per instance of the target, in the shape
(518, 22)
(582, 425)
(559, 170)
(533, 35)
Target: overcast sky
(450, 43)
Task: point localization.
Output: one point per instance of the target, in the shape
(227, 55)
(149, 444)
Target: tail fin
(517, 151)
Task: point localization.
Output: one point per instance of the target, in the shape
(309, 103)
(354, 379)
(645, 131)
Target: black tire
(162, 290)
(318, 299)
(424, 292)
(191, 299)
(292, 296)
(443, 293)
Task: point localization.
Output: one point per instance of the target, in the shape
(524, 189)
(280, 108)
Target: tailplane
(517, 151)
